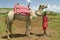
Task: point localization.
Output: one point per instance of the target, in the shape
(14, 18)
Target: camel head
(42, 6)
(38, 12)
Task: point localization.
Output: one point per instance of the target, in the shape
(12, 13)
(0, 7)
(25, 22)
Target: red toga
(45, 22)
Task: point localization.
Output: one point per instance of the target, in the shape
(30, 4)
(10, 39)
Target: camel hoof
(28, 36)
(8, 38)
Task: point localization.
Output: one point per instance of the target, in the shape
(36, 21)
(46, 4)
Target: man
(45, 23)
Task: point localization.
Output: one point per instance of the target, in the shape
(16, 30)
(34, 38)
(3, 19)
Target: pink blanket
(21, 9)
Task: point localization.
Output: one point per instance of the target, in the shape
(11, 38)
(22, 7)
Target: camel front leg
(28, 24)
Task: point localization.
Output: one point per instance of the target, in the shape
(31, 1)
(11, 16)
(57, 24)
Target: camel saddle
(23, 10)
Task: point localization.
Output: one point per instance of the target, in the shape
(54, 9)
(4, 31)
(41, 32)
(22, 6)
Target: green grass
(54, 24)
(2, 25)
(7, 8)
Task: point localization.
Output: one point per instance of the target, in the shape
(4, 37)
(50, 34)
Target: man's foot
(45, 34)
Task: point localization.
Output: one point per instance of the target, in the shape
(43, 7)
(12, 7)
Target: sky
(53, 5)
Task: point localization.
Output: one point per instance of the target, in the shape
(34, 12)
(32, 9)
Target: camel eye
(40, 5)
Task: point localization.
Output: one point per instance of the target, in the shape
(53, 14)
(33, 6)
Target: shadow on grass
(39, 35)
(14, 35)
(20, 35)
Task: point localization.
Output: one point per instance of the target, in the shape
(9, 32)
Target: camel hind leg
(8, 28)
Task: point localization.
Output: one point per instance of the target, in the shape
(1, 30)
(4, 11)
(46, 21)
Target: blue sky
(53, 5)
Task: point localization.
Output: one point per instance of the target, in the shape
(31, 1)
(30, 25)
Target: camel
(11, 17)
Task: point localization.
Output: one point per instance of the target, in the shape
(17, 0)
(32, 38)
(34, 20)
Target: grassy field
(53, 23)
(2, 25)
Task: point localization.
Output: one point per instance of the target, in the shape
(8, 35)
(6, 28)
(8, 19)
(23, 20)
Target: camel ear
(40, 6)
